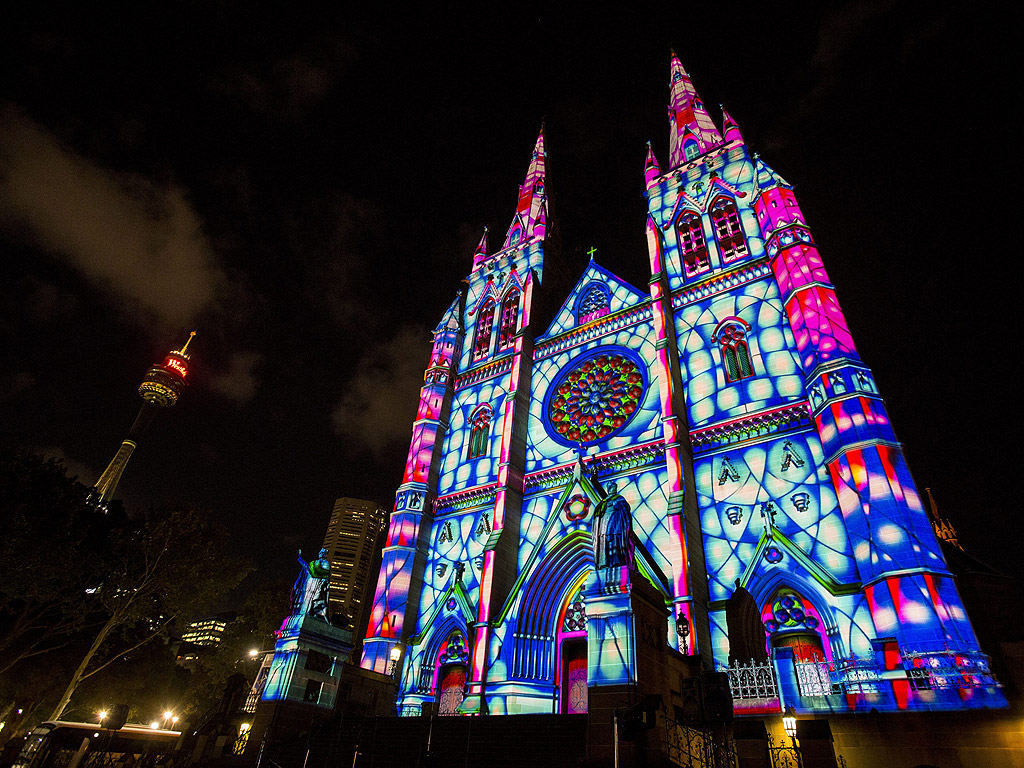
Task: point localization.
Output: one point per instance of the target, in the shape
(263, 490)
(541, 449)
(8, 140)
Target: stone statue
(613, 532)
(309, 593)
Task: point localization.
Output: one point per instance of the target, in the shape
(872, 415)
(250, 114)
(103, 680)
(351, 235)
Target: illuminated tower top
(164, 382)
(692, 132)
(160, 388)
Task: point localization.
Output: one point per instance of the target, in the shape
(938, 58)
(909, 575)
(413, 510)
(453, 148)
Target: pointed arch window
(509, 319)
(480, 431)
(593, 303)
(732, 342)
(484, 329)
(572, 650)
(726, 219)
(691, 244)
(691, 150)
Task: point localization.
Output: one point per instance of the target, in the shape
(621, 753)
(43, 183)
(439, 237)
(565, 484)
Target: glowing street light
(789, 724)
(396, 654)
(154, 725)
(102, 715)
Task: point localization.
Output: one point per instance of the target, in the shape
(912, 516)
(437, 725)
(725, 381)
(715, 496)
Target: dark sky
(306, 188)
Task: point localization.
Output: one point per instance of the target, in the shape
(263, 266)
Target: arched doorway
(572, 649)
(451, 677)
(791, 621)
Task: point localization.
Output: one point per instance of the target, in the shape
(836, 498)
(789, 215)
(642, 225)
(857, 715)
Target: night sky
(306, 188)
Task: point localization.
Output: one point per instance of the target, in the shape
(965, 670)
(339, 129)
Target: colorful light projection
(738, 369)
(596, 398)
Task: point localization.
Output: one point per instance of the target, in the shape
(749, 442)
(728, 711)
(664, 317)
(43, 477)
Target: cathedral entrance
(452, 689)
(572, 647)
(791, 621)
(574, 676)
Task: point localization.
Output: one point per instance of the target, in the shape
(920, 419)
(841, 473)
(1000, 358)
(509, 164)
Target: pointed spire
(730, 128)
(691, 131)
(450, 320)
(765, 177)
(530, 210)
(943, 528)
(481, 253)
(651, 168)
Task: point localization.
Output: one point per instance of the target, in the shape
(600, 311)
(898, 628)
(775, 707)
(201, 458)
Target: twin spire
(692, 133)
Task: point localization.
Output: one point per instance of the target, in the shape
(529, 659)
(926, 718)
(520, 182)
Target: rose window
(596, 398)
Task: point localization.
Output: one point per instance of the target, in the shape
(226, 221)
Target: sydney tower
(160, 388)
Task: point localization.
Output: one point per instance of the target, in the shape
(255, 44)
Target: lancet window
(480, 431)
(692, 246)
(732, 341)
(484, 329)
(593, 304)
(726, 219)
(509, 319)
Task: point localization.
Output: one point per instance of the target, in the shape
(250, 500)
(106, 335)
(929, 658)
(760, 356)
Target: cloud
(238, 381)
(139, 241)
(378, 408)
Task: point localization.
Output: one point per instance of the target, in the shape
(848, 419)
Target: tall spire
(480, 255)
(691, 130)
(651, 168)
(730, 128)
(530, 219)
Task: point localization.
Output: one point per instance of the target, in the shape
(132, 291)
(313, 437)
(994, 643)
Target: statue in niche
(309, 592)
(744, 627)
(612, 532)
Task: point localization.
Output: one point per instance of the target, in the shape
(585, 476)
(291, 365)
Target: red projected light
(175, 364)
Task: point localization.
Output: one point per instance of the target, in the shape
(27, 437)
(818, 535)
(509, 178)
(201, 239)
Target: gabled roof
(621, 295)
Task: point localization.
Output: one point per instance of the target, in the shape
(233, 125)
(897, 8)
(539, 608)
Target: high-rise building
(353, 543)
(727, 404)
(160, 388)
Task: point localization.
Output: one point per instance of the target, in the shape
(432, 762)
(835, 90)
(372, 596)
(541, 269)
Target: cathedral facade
(726, 403)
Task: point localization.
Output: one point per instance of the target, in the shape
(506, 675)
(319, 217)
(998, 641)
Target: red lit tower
(160, 388)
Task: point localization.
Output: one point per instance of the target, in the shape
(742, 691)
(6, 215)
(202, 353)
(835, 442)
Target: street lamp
(789, 724)
(101, 715)
(396, 654)
(683, 630)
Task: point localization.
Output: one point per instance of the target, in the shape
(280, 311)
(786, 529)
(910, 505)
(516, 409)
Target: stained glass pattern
(596, 398)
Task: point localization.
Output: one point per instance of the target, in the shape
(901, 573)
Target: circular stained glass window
(595, 398)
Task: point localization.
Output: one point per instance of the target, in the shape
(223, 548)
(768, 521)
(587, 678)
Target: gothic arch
(540, 607)
(593, 301)
(768, 585)
(427, 673)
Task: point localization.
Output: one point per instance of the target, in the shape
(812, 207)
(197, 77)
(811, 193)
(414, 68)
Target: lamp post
(789, 724)
(683, 630)
(396, 655)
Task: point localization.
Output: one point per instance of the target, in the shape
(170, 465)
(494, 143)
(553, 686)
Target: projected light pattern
(596, 398)
(735, 368)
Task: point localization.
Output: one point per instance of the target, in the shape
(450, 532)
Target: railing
(754, 680)
(698, 747)
(925, 671)
(947, 669)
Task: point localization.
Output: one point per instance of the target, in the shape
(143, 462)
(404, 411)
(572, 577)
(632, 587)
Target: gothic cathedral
(726, 405)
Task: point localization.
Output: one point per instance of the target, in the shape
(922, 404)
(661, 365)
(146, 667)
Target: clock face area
(594, 398)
